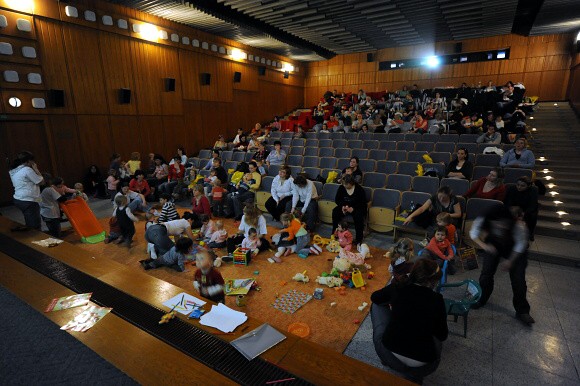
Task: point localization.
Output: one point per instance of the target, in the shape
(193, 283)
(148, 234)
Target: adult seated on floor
(519, 156)
(410, 322)
(350, 200)
(136, 200)
(160, 173)
(490, 136)
(252, 219)
(236, 199)
(352, 169)
(199, 206)
(281, 193)
(140, 185)
(303, 200)
(158, 234)
(460, 167)
(176, 173)
(524, 195)
(443, 201)
(490, 187)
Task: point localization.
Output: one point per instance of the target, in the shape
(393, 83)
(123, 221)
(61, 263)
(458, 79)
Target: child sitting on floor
(126, 221)
(252, 242)
(400, 255)
(219, 237)
(207, 280)
(174, 258)
(344, 236)
(439, 249)
(286, 237)
(207, 227)
(168, 211)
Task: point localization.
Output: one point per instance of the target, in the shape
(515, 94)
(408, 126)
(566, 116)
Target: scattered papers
(68, 302)
(223, 318)
(50, 242)
(258, 341)
(86, 319)
(238, 286)
(183, 303)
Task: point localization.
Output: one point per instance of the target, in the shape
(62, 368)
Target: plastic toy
(333, 304)
(318, 294)
(356, 321)
(167, 317)
(242, 256)
(330, 281)
(301, 277)
(370, 275)
(357, 279)
(321, 241)
(363, 306)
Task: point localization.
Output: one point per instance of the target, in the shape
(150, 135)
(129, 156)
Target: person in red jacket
(439, 249)
(176, 173)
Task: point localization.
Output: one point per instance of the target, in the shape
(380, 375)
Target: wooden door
(16, 136)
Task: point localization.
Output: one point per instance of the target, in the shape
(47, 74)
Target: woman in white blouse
(281, 193)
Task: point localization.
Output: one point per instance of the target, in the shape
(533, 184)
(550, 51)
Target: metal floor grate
(198, 344)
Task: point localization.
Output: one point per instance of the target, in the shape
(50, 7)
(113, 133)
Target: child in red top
(344, 236)
(217, 196)
(286, 236)
(207, 280)
(439, 249)
(444, 219)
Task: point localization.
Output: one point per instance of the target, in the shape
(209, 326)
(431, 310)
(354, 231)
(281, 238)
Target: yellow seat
(325, 208)
(381, 219)
(261, 198)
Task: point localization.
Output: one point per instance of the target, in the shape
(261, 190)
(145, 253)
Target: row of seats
(384, 205)
(393, 151)
(428, 137)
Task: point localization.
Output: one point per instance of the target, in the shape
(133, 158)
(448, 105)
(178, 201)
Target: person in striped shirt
(168, 211)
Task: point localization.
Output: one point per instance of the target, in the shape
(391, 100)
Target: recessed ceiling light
(558, 202)
(548, 178)
(565, 223)
(554, 193)
(542, 159)
(550, 185)
(561, 213)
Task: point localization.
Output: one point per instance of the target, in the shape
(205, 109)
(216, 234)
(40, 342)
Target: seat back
(327, 163)
(388, 145)
(311, 151)
(325, 142)
(273, 170)
(440, 156)
(400, 182)
(264, 194)
(458, 186)
(387, 167)
(294, 160)
(397, 155)
(512, 174)
(311, 142)
(406, 145)
(468, 138)
(342, 152)
(480, 171)
(416, 156)
(370, 144)
(360, 153)
(448, 147)
(409, 168)
(425, 184)
(355, 144)
(338, 143)
(310, 162)
(424, 146)
(326, 152)
(297, 150)
(378, 155)
(374, 180)
(367, 165)
(326, 202)
(487, 160)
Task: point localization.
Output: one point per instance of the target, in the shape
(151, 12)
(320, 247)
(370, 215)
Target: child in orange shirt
(286, 236)
(439, 249)
(444, 219)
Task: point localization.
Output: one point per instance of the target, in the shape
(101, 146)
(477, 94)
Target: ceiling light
(553, 193)
(558, 202)
(561, 213)
(534, 129)
(548, 178)
(21, 5)
(531, 117)
(287, 67)
(546, 171)
(237, 54)
(542, 159)
(555, 104)
(551, 185)
(565, 223)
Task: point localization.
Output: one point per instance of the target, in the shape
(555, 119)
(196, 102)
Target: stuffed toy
(356, 258)
(333, 246)
(301, 277)
(342, 264)
(330, 281)
(217, 262)
(428, 158)
(319, 240)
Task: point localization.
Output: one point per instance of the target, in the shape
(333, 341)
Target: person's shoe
(525, 319)
(145, 264)
(227, 258)
(119, 240)
(476, 306)
(287, 252)
(316, 249)
(276, 259)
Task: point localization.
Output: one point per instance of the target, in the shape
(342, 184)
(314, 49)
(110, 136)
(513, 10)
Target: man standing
(503, 236)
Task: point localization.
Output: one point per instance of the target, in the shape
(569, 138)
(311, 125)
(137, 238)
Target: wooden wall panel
(67, 155)
(552, 82)
(192, 117)
(151, 134)
(148, 85)
(54, 63)
(95, 139)
(249, 81)
(125, 136)
(11, 30)
(17, 45)
(173, 124)
(85, 71)
(23, 71)
(171, 102)
(118, 71)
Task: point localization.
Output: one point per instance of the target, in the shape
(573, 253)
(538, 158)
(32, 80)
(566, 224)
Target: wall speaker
(205, 79)
(56, 98)
(458, 48)
(124, 96)
(286, 74)
(262, 71)
(237, 77)
(169, 84)
(370, 57)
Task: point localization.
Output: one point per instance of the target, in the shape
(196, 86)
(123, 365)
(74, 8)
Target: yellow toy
(167, 317)
(420, 171)
(321, 241)
(428, 158)
(333, 246)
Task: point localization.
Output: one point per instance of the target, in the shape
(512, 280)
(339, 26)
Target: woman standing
(200, 205)
(410, 322)
(26, 180)
(460, 167)
(350, 200)
(281, 193)
(490, 187)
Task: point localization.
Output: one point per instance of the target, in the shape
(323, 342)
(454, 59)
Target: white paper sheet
(183, 303)
(223, 318)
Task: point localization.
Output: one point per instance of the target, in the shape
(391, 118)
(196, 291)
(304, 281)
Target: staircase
(555, 141)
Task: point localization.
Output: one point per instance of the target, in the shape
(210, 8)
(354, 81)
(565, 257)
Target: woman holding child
(350, 200)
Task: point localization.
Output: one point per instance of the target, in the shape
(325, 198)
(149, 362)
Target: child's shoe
(315, 249)
(119, 240)
(287, 252)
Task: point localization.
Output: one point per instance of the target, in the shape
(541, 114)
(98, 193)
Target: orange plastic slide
(83, 220)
